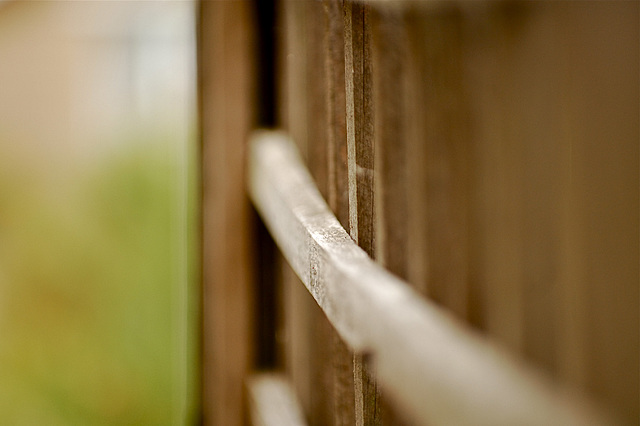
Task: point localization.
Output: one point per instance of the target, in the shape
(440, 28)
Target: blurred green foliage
(88, 278)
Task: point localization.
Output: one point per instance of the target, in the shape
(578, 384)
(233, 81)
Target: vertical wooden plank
(537, 114)
(300, 310)
(604, 120)
(572, 331)
(297, 320)
(291, 104)
(360, 124)
(359, 113)
(420, 81)
(292, 100)
(321, 333)
(495, 239)
(437, 159)
(336, 110)
(226, 97)
(338, 197)
(316, 93)
(316, 117)
(519, 177)
(389, 55)
(390, 86)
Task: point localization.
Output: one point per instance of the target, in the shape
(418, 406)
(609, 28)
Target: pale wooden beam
(273, 402)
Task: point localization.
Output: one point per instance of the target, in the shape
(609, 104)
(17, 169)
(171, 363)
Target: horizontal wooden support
(272, 401)
(431, 365)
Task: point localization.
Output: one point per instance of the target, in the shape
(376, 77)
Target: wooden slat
(293, 106)
(497, 288)
(305, 114)
(227, 105)
(341, 362)
(297, 323)
(603, 117)
(360, 146)
(334, 60)
(273, 402)
(432, 365)
(389, 52)
(437, 159)
(360, 154)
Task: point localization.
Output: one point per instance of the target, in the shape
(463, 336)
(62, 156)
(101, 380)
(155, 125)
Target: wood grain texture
(334, 66)
(506, 147)
(359, 112)
(273, 402)
(341, 361)
(360, 153)
(446, 376)
(227, 114)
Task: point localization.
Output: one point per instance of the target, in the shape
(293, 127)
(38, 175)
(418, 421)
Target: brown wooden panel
(554, 103)
(506, 138)
(436, 369)
(227, 113)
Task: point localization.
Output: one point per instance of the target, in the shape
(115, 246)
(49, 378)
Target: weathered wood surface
(431, 364)
(506, 170)
(273, 402)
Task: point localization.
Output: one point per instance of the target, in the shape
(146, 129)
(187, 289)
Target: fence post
(226, 102)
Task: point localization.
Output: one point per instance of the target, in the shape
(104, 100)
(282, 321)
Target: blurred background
(97, 134)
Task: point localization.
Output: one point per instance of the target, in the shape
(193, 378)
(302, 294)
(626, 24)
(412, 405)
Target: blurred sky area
(97, 120)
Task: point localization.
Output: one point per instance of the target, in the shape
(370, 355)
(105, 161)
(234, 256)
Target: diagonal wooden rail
(433, 366)
(272, 401)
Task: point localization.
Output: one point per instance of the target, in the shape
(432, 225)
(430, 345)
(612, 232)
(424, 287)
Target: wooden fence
(484, 158)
